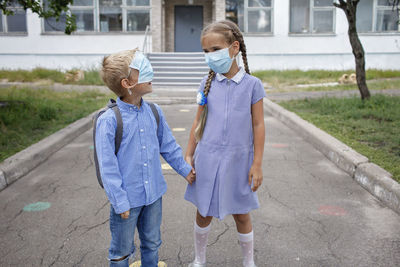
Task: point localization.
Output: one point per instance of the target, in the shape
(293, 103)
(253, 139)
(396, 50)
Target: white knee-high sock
(246, 243)
(200, 242)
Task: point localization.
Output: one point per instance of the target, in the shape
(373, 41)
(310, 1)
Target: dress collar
(237, 78)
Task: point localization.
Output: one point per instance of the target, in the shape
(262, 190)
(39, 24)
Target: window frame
(96, 19)
(4, 23)
(246, 9)
(375, 10)
(311, 20)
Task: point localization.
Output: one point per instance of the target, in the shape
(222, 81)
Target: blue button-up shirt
(133, 177)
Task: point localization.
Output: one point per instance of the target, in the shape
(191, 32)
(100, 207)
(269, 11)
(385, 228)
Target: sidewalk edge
(370, 176)
(18, 165)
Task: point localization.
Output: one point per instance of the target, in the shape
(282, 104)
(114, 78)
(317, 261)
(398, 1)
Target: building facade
(279, 34)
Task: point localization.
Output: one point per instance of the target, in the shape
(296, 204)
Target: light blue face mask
(142, 64)
(219, 61)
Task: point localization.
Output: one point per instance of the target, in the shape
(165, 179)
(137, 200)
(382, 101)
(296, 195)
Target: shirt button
(145, 164)
(141, 130)
(144, 147)
(146, 182)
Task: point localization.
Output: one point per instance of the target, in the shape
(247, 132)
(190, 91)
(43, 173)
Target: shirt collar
(237, 78)
(126, 106)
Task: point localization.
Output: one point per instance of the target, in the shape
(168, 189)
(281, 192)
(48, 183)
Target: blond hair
(115, 67)
(231, 33)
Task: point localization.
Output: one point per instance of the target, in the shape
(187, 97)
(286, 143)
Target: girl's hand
(256, 176)
(125, 215)
(191, 177)
(190, 160)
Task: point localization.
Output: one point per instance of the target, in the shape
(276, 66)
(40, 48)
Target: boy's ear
(125, 83)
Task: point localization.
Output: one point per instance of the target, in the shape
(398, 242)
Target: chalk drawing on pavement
(332, 210)
(178, 129)
(38, 206)
(277, 145)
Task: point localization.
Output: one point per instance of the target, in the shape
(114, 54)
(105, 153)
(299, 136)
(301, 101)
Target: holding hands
(191, 176)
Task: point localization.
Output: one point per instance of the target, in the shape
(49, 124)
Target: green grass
(371, 127)
(372, 85)
(280, 80)
(92, 76)
(28, 115)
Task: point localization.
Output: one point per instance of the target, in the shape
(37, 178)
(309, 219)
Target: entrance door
(188, 26)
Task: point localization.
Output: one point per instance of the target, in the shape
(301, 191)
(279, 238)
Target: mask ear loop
(133, 86)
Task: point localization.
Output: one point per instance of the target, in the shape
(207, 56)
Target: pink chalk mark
(332, 210)
(277, 145)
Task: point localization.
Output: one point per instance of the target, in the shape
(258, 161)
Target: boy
(132, 179)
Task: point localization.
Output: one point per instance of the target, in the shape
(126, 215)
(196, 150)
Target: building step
(178, 59)
(176, 54)
(178, 63)
(175, 84)
(180, 74)
(180, 69)
(178, 79)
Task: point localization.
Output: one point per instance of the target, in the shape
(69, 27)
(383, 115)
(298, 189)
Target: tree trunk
(358, 50)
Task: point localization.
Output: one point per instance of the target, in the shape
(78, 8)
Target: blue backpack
(118, 131)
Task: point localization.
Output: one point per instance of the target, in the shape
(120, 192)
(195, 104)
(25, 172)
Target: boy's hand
(255, 174)
(191, 177)
(125, 215)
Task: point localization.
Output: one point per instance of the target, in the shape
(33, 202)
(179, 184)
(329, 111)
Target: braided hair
(231, 33)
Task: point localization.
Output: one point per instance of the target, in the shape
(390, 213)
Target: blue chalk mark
(91, 147)
(38, 206)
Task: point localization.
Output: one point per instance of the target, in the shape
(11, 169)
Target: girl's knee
(203, 221)
(242, 218)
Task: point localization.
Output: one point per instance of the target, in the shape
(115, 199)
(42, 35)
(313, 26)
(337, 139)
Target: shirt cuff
(122, 207)
(185, 170)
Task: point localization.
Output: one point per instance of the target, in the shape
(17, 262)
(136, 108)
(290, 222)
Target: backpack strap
(118, 131)
(155, 113)
(96, 161)
(157, 116)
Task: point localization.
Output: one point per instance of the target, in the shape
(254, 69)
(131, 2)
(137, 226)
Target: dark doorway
(188, 26)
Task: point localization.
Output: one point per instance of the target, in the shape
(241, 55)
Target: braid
(198, 133)
(211, 75)
(239, 37)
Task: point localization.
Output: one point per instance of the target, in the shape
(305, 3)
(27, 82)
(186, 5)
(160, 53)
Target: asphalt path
(311, 214)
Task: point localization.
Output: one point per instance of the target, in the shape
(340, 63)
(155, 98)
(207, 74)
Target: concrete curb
(373, 178)
(16, 166)
(26, 160)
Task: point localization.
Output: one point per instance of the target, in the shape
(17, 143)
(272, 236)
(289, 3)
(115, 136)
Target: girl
(226, 142)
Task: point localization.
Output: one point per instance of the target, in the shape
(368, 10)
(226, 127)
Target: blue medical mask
(142, 64)
(219, 61)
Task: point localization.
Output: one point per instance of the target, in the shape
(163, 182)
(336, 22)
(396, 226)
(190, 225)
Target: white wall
(60, 51)
(276, 51)
(283, 51)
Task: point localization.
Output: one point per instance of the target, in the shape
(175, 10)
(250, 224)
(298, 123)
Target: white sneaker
(195, 264)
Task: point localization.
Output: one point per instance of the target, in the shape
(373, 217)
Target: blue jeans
(147, 219)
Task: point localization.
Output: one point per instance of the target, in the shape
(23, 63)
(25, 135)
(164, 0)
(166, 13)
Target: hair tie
(201, 98)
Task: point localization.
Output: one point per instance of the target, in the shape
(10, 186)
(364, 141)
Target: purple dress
(224, 155)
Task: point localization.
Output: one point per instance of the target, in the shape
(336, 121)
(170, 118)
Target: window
(377, 16)
(312, 16)
(105, 16)
(252, 16)
(14, 23)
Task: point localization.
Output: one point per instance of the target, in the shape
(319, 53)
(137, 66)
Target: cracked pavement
(289, 227)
